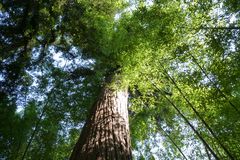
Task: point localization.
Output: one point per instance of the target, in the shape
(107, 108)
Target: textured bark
(105, 135)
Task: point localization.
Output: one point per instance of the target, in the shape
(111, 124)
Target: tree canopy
(178, 58)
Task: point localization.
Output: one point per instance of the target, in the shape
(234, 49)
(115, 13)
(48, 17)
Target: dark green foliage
(174, 56)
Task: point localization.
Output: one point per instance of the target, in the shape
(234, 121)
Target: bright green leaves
(189, 59)
(145, 46)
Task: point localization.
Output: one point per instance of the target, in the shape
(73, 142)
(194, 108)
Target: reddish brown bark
(105, 135)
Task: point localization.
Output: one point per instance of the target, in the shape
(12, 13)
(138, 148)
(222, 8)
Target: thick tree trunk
(105, 135)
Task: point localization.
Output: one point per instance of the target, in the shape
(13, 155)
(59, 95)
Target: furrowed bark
(105, 136)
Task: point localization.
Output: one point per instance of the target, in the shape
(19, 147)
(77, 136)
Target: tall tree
(171, 65)
(106, 132)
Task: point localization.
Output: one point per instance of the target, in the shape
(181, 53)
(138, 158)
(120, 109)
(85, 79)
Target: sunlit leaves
(142, 43)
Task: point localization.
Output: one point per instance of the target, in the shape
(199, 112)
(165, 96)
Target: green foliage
(168, 53)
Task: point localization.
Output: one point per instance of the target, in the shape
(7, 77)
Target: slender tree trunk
(105, 136)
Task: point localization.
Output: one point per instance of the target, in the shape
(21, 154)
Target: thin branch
(209, 156)
(199, 116)
(221, 28)
(173, 142)
(219, 90)
(186, 120)
(33, 133)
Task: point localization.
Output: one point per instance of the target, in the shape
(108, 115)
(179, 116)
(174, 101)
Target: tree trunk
(105, 136)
